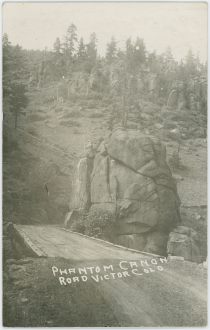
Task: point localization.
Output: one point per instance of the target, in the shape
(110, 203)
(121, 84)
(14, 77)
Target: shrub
(70, 114)
(99, 223)
(174, 160)
(70, 123)
(59, 108)
(96, 115)
(78, 226)
(96, 223)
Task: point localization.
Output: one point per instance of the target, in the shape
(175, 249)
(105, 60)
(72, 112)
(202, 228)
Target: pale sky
(178, 25)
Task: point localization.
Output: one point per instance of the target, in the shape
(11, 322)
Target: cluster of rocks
(183, 241)
(128, 176)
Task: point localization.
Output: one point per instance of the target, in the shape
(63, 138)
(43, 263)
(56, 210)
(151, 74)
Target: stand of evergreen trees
(124, 76)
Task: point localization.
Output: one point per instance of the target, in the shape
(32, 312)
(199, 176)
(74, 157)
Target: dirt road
(88, 282)
(35, 295)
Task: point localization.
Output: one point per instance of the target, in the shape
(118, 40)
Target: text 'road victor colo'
(98, 273)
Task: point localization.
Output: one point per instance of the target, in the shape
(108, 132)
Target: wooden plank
(28, 242)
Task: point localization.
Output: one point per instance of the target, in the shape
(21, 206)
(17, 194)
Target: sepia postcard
(104, 164)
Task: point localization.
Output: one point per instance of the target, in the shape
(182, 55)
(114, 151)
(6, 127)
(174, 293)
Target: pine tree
(57, 46)
(190, 63)
(111, 51)
(71, 40)
(129, 50)
(81, 50)
(7, 63)
(92, 52)
(14, 78)
(92, 47)
(139, 52)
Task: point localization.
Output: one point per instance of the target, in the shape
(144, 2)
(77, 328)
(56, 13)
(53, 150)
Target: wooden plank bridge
(55, 241)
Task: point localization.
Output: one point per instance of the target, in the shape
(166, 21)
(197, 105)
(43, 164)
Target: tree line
(125, 76)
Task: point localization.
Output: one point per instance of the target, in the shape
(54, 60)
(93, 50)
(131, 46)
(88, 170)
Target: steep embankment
(40, 156)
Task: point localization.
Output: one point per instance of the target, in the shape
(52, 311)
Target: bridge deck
(54, 241)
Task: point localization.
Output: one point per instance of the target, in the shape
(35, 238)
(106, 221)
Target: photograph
(104, 164)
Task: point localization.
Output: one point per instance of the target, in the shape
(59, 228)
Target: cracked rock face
(129, 177)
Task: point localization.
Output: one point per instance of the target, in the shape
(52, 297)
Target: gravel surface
(172, 296)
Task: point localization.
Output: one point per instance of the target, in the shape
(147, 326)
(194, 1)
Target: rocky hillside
(41, 155)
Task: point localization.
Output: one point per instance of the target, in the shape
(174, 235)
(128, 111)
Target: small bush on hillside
(174, 160)
(70, 123)
(59, 108)
(96, 115)
(93, 102)
(73, 97)
(70, 114)
(47, 95)
(99, 224)
(78, 226)
(106, 100)
(92, 95)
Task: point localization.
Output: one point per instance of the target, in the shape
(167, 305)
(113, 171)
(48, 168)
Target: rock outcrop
(183, 241)
(129, 177)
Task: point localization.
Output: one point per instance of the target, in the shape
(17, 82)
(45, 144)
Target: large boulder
(131, 179)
